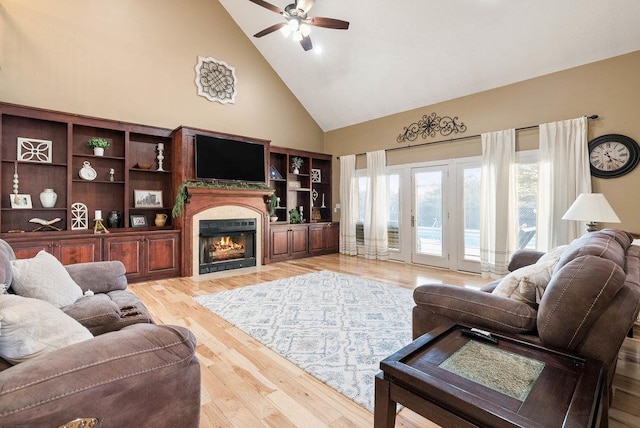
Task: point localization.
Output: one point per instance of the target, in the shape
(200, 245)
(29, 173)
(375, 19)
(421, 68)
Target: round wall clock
(613, 155)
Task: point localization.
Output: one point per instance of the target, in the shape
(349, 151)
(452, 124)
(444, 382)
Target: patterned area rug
(334, 326)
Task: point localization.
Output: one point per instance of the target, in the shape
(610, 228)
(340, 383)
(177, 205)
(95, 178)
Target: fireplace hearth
(227, 244)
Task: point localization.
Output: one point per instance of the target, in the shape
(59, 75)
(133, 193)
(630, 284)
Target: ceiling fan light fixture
(286, 30)
(305, 29)
(297, 36)
(293, 24)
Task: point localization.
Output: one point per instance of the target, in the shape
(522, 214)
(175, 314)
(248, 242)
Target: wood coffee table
(565, 392)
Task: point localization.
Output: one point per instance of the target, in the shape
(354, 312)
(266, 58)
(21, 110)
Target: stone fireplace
(223, 205)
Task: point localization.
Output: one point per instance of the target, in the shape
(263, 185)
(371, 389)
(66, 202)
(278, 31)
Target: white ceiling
(400, 55)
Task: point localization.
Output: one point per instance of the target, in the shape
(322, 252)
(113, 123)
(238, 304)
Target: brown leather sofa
(588, 307)
(131, 373)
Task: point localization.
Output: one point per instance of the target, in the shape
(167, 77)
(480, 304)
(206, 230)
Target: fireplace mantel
(203, 198)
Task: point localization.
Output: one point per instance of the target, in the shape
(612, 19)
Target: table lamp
(591, 208)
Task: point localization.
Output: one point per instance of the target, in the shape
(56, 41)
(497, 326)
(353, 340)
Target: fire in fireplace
(227, 244)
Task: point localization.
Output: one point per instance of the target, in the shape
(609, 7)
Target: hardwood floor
(244, 384)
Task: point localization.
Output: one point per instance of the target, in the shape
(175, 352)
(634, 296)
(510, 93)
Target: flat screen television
(220, 159)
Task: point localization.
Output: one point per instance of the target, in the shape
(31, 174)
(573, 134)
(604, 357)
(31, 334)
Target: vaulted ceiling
(400, 55)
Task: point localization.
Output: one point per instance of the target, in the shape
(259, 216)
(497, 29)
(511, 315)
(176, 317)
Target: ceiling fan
(297, 21)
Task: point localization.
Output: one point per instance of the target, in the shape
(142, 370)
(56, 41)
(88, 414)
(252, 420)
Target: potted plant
(295, 217)
(98, 144)
(296, 164)
(273, 203)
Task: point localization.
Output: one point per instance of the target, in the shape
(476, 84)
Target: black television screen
(229, 160)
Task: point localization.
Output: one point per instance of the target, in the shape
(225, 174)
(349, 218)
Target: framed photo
(147, 198)
(316, 176)
(30, 149)
(21, 201)
(274, 173)
(138, 220)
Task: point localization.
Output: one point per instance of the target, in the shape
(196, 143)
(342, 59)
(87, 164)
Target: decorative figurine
(160, 156)
(112, 173)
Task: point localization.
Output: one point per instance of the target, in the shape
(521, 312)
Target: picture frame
(316, 175)
(274, 174)
(34, 150)
(147, 198)
(137, 220)
(20, 201)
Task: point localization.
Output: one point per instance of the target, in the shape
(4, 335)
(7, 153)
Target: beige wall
(134, 60)
(610, 89)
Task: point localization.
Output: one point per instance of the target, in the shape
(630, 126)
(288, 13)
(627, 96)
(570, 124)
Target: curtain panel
(348, 205)
(498, 202)
(376, 245)
(563, 174)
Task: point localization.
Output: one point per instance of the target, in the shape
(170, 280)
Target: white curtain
(564, 174)
(376, 245)
(348, 205)
(498, 202)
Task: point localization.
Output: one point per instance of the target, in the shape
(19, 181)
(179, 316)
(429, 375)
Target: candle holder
(160, 156)
(99, 226)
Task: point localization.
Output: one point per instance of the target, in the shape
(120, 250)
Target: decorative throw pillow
(522, 284)
(32, 327)
(44, 277)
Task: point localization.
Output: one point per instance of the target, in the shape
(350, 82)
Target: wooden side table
(566, 392)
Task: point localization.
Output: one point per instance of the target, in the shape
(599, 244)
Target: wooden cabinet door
(299, 240)
(332, 237)
(78, 250)
(128, 250)
(27, 250)
(316, 238)
(162, 254)
(279, 243)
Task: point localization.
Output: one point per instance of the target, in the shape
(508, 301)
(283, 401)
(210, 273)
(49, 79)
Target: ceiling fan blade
(269, 30)
(305, 5)
(336, 24)
(306, 43)
(266, 5)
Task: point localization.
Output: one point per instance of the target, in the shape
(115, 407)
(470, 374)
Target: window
(393, 228)
(527, 189)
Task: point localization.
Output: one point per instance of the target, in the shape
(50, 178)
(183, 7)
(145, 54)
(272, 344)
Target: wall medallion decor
(429, 125)
(30, 149)
(216, 80)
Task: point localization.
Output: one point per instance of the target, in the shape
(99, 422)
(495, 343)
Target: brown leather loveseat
(124, 371)
(588, 306)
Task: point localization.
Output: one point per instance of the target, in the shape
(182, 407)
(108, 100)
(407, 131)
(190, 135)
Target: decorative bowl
(144, 165)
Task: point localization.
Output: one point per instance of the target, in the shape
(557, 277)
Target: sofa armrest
(99, 277)
(128, 368)
(475, 308)
(522, 258)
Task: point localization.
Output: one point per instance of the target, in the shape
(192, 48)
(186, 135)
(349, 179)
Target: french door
(430, 216)
(434, 214)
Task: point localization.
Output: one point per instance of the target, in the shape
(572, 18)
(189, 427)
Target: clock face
(87, 172)
(613, 155)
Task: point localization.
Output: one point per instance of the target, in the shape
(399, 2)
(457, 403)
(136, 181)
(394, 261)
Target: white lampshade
(591, 208)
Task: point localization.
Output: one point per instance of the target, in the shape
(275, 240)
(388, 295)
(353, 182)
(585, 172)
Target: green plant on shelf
(296, 163)
(295, 217)
(100, 143)
(273, 203)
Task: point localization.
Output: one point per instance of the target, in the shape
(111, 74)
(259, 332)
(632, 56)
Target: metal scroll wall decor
(216, 80)
(429, 125)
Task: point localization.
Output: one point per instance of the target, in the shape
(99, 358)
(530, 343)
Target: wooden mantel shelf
(203, 198)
